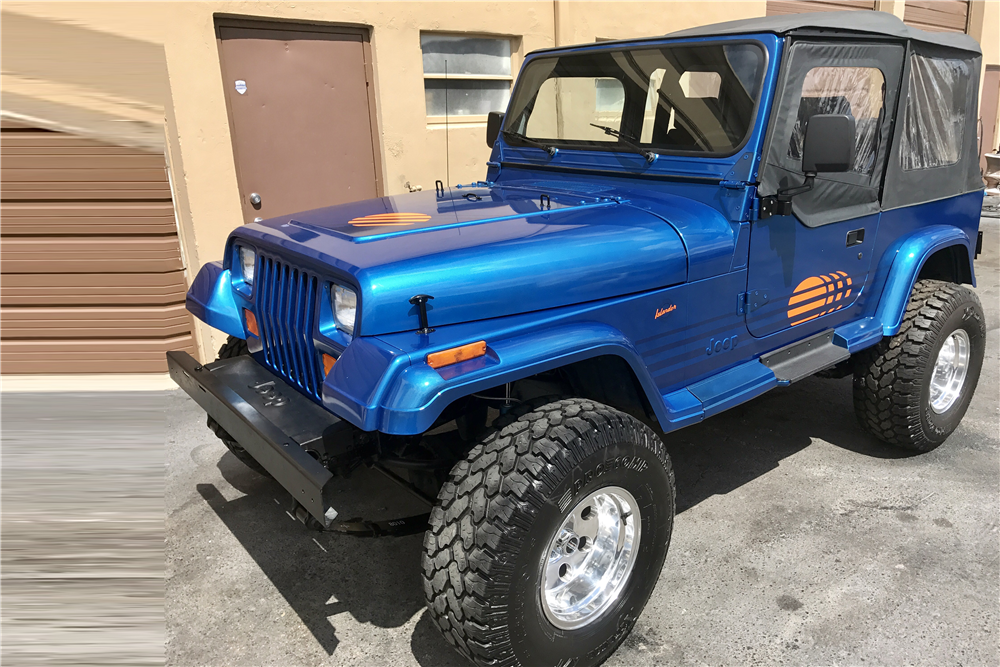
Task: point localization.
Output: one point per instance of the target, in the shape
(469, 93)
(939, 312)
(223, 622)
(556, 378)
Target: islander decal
(818, 295)
(665, 310)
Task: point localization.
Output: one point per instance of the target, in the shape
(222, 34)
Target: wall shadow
(378, 581)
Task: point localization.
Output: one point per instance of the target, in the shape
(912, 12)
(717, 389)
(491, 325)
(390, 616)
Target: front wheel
(912, 390)
(548, 538)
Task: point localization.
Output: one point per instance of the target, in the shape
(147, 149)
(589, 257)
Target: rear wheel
(912, 389)
(235, 347)
(548, 538)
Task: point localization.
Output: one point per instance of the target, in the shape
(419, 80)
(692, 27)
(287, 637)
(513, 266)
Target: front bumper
(276, 424)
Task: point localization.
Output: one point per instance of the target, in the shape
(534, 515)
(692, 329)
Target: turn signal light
(328, 362)
(251, 322)
(456, 354)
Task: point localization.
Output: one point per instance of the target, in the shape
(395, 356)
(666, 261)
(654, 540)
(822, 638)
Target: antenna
(447, 147)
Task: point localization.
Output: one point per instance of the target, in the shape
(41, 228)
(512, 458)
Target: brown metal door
(988, 112)
(937, 15)
(778, 7)
(301, 112)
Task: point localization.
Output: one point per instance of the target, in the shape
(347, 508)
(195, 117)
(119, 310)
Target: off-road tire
(235, 347)
(892, 379)
(496, 515)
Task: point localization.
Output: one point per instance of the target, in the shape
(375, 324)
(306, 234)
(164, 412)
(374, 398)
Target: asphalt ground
(799, 540)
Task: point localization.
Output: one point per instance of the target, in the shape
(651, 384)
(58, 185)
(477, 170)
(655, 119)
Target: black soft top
(834, 23)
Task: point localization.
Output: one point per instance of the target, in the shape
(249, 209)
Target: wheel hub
(590, 558)
(950, 369)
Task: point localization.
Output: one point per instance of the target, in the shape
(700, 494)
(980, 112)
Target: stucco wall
(985, 26)
(197, 139)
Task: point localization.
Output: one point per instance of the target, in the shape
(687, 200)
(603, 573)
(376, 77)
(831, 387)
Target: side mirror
(494, 121)
(829, 144)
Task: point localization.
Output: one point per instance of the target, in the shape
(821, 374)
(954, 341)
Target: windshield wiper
(551, 150)
(649, 155)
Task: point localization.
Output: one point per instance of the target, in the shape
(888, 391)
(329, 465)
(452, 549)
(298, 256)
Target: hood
(481, 252)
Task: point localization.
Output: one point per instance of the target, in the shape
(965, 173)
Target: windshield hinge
(734, 185)
(747, 302)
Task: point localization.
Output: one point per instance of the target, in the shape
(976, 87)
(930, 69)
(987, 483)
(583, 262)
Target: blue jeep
(668, 227)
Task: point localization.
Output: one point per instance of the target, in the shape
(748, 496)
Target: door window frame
(838, 196)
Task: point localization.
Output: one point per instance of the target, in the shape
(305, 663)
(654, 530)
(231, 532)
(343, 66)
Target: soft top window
(692, 98)
(934, 118)
(858, 92)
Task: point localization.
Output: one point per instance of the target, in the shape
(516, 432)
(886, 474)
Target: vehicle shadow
(735, 447)
(378, 581)
(322, 575)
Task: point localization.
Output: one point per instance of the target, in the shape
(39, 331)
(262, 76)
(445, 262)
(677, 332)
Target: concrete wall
(984, 25)
(118, 69)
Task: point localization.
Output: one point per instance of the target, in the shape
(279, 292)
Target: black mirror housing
(828, 144)
(494, 121)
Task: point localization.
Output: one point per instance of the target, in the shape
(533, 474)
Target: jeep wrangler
(668, 227)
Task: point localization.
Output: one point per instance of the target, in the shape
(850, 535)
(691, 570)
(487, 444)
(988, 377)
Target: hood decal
(376, 236)
(389, 219)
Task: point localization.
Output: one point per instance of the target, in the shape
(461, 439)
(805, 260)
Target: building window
(465, 76)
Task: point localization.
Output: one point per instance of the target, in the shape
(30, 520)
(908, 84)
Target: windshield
(691, 98)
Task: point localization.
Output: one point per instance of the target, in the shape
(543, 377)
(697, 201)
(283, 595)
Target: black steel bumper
(276, 424)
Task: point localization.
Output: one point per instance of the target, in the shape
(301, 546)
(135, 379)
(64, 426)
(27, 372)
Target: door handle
(855, 237)
(255, 200)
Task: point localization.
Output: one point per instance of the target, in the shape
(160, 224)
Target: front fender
(210, 299)
(910, 257)
(410, 395)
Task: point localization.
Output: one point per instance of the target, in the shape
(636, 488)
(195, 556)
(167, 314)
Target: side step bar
(751, 379)
(804, 358)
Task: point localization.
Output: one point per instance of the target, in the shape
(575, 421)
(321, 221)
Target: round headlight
(247, 260)
(345, 308)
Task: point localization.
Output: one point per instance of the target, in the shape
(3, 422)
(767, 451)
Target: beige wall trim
(86, 383)
(974, 22)
(895, 7)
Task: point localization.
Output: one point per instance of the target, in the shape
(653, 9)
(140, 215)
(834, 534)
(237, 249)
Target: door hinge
(747, 302)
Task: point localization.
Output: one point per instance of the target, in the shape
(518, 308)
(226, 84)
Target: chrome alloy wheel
(590, 558)
(950, 369)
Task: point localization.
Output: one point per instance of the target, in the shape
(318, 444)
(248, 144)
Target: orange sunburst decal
(390, 220)
(818, 295)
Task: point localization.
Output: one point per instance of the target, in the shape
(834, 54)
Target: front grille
(286, 310)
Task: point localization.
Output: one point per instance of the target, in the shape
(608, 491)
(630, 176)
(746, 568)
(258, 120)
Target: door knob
(254, 199)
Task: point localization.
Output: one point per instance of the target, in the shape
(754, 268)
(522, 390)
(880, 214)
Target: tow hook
(303, 515)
